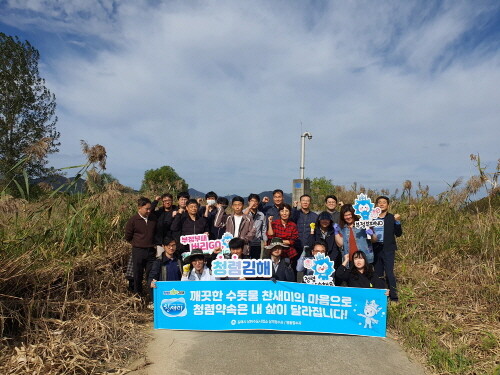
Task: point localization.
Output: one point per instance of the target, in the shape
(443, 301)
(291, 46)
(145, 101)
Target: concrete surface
(270, 352)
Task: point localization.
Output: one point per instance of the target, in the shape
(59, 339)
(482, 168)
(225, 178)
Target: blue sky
(221, 90)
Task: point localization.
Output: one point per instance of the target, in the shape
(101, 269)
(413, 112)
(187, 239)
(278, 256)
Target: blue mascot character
(322, 267)
(363, 206)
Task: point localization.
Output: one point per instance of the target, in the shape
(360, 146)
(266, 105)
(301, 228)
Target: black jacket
(359, 280)
(163, 225)
(182, 225)
(159, 269)
(391, 231)
(332, 250)
(284, 271)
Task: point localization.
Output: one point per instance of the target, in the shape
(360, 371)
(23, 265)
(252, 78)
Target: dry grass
(73, 318)
(449, 284)
(64, 307)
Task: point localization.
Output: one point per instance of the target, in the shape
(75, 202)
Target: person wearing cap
(196, 268)
(282, 270)
(323, 231)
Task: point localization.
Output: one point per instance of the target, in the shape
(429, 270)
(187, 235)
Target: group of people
(261, 229)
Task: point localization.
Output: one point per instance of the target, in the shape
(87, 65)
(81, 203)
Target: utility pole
(303, 152)
(301, 185)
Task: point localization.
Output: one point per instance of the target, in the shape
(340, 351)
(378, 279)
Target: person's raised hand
(295, 204)
(157, 198)
(397, 217)
(199, 200)
(336, 228)
(312, 226)
(270, 219)
(265, 200)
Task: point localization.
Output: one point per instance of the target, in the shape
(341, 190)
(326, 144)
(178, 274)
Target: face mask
(211, 202)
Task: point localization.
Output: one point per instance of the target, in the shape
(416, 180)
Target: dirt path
(269, 352)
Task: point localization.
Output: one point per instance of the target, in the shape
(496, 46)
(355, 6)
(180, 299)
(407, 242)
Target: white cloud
(218, 90)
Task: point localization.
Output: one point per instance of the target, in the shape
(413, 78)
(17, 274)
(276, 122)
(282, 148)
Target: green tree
(27, 111)
(163, 180)
(320, 188)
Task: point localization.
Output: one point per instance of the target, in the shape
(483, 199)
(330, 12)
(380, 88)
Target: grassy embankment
(64, 307)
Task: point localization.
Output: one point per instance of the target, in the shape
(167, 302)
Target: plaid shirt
(290, 233)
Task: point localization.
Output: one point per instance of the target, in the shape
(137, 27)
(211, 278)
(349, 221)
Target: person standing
(164, 221)
(272, 209)
(238, 224)
(304, 217)
(286, 230)
(385, 247)
(331, 207)
(323, 231)
(352, 239)
(209, 211)
(260, 225)
(139, 232)
(167, 268)
(189, 222)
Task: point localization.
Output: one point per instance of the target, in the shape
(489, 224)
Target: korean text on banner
(265, 305)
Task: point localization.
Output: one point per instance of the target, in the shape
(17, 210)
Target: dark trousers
(384, 264)
(142, 260)
(255, 250)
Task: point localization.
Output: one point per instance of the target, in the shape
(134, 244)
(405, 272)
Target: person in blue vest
(385, 247)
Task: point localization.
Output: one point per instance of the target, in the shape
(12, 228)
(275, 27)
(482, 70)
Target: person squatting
(262, 230)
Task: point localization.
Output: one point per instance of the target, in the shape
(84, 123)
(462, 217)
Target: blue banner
(266, 305)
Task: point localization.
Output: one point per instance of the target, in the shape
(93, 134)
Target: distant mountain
(193, 193)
